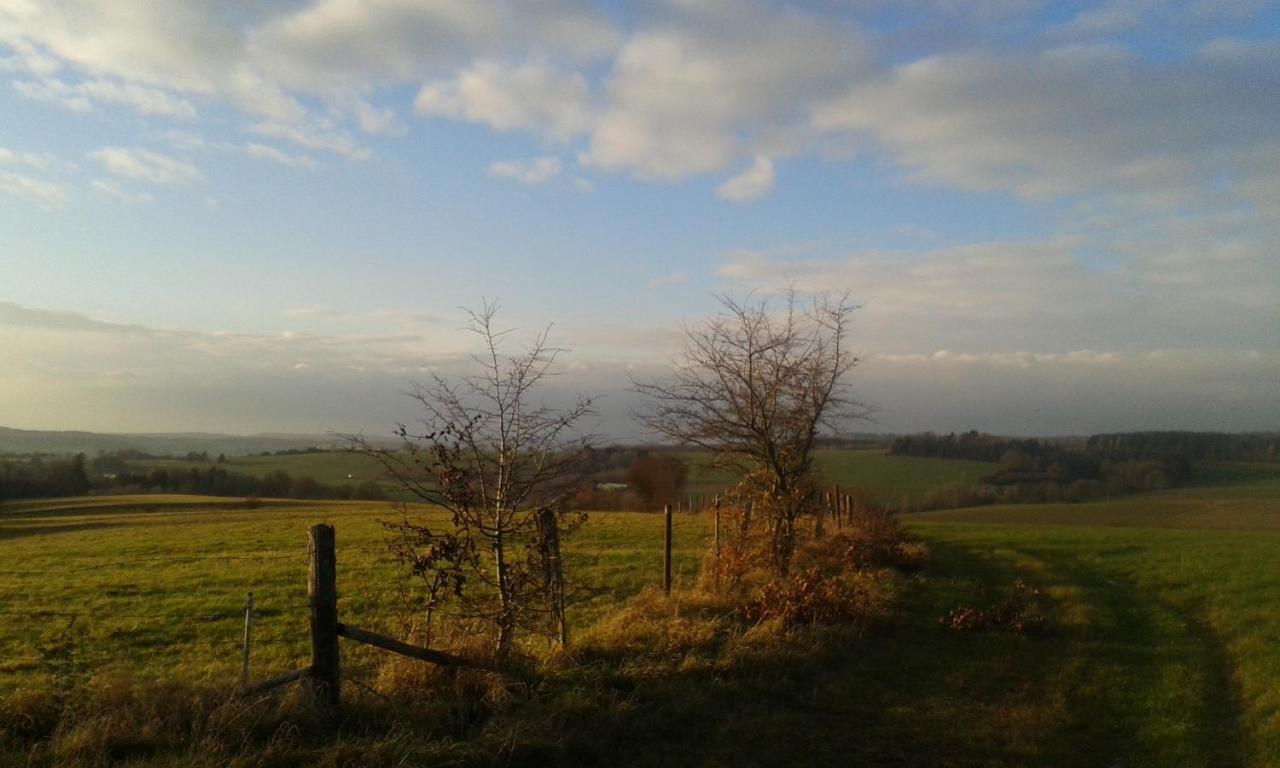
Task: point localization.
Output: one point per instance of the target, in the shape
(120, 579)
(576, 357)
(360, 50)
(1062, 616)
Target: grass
(1222, 496)
(330, 467)
(1161, 653)
(156, 584)
(1163, 612)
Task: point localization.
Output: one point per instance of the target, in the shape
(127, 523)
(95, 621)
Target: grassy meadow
(873, 470)
(155, 585)
(1160, 645)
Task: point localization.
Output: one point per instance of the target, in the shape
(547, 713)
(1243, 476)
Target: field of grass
(887, 477)
(331, 467)
(156, 584)
(1221, 496)
(1160, 646)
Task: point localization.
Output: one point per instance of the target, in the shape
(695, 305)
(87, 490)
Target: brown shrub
(1021, 611)
(813, 597)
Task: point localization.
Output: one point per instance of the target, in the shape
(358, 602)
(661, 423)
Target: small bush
(1021, 611)
(813, 597)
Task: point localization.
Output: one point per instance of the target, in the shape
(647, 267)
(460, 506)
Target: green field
(872, 470)
(1161, 646)
(331, 467)
(156, 584)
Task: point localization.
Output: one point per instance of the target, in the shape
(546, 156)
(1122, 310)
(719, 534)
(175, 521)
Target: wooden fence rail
(323, 676)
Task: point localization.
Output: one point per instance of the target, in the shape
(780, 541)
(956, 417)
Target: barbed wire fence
(73, 645)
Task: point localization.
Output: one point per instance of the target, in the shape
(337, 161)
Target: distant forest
(1033, 470)
(44, 477)
(1030, 469)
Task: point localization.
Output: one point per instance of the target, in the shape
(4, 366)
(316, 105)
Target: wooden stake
(715, 503)
(666, 550)
(248, 640)
(322, 599)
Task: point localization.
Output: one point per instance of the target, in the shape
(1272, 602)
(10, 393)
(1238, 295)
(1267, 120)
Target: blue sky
(1059, 218)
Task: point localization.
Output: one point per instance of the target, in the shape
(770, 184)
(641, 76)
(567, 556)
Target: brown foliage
(656, 479)
(813, 597)
(1022, 610)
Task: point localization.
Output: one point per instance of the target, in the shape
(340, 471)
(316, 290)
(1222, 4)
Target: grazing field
(1222, 496)
(1167, 614)
(330, 467)
(156, 585)
(1161, 644)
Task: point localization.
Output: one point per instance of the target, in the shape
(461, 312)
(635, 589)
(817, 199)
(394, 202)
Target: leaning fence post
(322, 598)
(666, 550)
(248, 639)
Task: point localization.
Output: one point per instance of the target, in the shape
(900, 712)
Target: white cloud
(80, 97)
(188, 47)
(55, 92)
(27, 58)
(264, 152)
(315, 135)
(374, 120)
(39, 161)
(141, 98)
(111, 190)
(146, 165)
(1173, 282)
(345, 44)
(733, 79)
(531, 97)
(537, 171)
(752, 184)
(47, 194)
(1090, 120)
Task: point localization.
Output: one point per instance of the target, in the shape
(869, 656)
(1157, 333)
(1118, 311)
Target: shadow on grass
(913, 694)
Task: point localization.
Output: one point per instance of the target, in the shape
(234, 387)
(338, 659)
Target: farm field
(1163, 615)
(155, 585)
(330, 467)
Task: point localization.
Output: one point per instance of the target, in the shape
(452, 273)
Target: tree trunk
(506, 618)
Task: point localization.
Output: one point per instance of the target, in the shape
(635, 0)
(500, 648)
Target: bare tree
(756, 384)
(503, 466)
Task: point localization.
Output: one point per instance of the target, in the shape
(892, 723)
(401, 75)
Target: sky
(1057, 218)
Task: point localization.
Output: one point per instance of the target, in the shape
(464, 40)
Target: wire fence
(78, 644)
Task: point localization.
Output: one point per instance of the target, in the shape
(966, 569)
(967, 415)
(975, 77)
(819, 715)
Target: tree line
(1121, 446)
(45, 476)
(1035, 471)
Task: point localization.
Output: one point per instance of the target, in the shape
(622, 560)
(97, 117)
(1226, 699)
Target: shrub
(813, 597)
(1021, 611)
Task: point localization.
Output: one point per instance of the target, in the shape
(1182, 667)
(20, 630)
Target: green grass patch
(156, 586)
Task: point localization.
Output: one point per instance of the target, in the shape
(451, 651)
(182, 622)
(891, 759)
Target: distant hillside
(160, 444)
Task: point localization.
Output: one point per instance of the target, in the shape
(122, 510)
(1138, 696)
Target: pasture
(872, 470)
(155, 585)
(1160, 646)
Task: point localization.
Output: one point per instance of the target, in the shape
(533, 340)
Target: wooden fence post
(322, 599)
(666, 550)
(248, 640)
(553, 573)
(715, 504)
